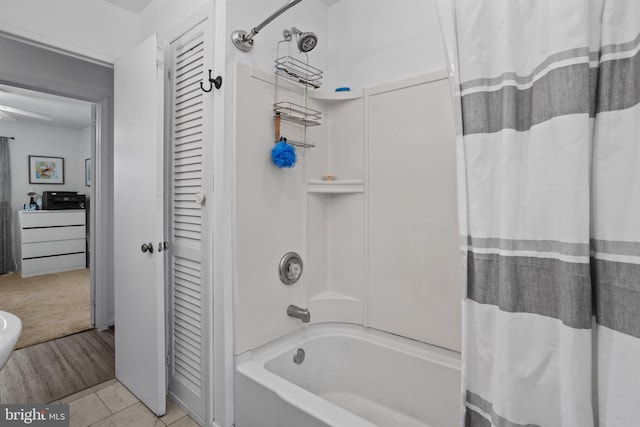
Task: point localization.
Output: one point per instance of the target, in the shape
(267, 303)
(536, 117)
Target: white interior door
(138, 220)
(187, 273)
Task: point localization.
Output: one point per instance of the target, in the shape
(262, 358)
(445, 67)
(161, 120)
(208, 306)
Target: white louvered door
(187, 275)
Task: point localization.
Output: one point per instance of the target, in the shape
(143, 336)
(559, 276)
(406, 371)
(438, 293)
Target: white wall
(163, 16)
(269, 220)
(414, 285)
(86, 141)
(42, 140)
(362, 43)
(93, 28)
(373, 42)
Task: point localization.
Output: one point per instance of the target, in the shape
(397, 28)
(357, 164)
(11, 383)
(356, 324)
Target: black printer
(56, 200)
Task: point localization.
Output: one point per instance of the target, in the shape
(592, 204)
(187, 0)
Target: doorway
(40, 68)
(52, 139)
(26, 65)
(50, 146)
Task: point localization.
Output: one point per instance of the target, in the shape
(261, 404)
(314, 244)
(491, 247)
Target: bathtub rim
(252, 364)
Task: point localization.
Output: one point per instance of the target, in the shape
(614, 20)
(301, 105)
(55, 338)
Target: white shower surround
(351, 243)
(335, 284)
(351, 377)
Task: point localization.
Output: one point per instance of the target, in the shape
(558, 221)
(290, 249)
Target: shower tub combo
(343, 375)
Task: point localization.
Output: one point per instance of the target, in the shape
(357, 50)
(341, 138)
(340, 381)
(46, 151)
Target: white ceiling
(134, 6)
(64, 112)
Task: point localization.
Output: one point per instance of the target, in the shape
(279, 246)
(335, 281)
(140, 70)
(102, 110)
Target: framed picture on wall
(46, 170)
(87, 172)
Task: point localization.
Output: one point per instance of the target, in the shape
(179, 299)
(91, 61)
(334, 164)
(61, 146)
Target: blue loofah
(283, 155)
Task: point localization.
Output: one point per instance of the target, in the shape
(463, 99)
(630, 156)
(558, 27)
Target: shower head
(306, 41)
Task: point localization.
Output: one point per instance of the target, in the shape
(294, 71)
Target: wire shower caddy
(302, 74)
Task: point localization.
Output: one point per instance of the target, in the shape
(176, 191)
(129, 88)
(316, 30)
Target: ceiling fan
(13, 114)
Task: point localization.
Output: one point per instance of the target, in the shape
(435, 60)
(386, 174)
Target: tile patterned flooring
(111, 404)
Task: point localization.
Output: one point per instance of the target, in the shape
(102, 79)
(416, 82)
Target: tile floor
(111, 404)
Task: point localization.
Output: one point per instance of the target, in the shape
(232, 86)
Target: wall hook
(217, 82)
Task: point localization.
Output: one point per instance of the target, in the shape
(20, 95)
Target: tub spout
(299, 313)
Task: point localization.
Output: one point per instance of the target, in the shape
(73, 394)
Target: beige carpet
(50, 306)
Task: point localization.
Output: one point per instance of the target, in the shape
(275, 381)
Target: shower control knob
(290, 268)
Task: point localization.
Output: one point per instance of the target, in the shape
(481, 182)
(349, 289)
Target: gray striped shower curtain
(7, 264)
(548, 104)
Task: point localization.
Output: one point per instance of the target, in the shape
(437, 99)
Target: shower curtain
(547, 97)
(7, 264)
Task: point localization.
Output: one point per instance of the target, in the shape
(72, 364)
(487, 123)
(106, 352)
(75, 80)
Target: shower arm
(244, 40)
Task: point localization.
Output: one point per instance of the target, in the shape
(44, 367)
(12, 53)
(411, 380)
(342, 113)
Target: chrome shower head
(306, 41)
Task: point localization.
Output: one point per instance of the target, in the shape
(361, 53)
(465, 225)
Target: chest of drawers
(52, 241)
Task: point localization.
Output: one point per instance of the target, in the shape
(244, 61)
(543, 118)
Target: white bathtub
(351, 377)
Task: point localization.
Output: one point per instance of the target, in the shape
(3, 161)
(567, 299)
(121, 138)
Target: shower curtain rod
(243, 40)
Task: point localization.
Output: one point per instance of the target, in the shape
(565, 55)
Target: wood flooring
(46, 372)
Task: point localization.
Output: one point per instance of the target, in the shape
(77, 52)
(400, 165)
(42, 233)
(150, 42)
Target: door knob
(200, 197)
(163, 246)
(147, 247)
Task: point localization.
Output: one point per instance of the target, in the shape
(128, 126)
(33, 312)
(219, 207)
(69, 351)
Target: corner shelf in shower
(331, 306)
(331, 97)
(350, 186)
(333, 296)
